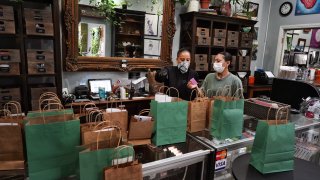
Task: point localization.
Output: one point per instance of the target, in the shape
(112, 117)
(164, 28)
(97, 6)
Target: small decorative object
(285, 8)
(226, 9)
(152, 47)
(315, 38)
(301, 44)
(151, 25)
(252, 10)
(204, 4)
(193, 6)
(304, 7)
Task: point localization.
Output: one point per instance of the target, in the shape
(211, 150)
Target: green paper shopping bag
(273, 146)
(227, 115)
(170, 120)
(99, 155)
(51, 140)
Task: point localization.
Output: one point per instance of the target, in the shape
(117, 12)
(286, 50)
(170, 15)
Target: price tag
(221, 160)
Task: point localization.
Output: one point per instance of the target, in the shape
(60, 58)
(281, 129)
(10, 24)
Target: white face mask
(183, 66)
(218, 67)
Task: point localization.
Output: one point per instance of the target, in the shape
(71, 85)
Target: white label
(221, 164)
(123, 65)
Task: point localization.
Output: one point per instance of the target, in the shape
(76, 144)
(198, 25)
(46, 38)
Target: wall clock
(285, 8)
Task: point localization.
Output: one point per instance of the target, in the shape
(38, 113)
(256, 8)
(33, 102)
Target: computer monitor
(94, 85)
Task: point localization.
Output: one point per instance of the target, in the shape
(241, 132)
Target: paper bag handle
(108, 127)
(159, 90)
(6, 112)
(89, 116)
(168, 90)
(83, 110)
(276, 118)
(226, 91)
(50, 100)
(119, 149)
(48, 105)
(144, 111)
(15, 104)
(234, 96)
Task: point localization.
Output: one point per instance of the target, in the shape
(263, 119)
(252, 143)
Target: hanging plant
(107, 8)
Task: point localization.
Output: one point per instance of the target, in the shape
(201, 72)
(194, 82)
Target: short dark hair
(227, 56)
(182, 50)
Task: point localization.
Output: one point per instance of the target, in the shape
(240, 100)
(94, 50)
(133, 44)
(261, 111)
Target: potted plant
(125, 4)
(107, 8)
(204, 4)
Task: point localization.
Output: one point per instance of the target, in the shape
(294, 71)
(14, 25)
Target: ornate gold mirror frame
(73, 62)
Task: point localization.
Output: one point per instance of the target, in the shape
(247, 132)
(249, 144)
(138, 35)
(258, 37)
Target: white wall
(274, 25)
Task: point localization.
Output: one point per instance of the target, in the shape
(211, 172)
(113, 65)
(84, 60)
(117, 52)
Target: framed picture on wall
(151, 25)
(252, 9)
(152, 47)
(304, 7)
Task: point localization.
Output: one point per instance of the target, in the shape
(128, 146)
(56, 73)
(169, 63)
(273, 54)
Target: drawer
(204, 32)
(201, 58)
(9, 55)
(244, 63)
(9, 68)
(202, 67)
(7, 27)
(40, 68)
(36, 92)
(10, 94)
(233, 64)
(233, 35)
(246, 36)
(39, 55)
(220, 33)
(38, 15)
(246, 44)
(203, 40)
(232, 43)
(39, 28)
(219, 42)
(6, 12)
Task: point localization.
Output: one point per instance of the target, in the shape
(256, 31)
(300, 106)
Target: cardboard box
(202, 67)
(246, 36)
(6, 12)
(232, 43)
(9, 55)
(244, 63)
(201, 58)
(9, 68)
(202, 40)
(233, 64)
(246, 44)
(39, 28)
(219, 41)
(220, 33)
(204, 32)
(38, 15)
(7, 27)
(40, 67)
(10, 94)
(233, 35)
(39, 55)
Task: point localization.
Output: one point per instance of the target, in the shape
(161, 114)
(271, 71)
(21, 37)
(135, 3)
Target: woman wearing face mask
(179, 76)
(222, 77)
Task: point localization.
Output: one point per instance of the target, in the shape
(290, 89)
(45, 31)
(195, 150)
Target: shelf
(37, 75)
(123, 34)
(133, 21)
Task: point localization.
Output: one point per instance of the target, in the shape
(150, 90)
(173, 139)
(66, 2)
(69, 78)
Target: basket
(260, 111)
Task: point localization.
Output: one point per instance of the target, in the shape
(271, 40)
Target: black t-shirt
(172, 77)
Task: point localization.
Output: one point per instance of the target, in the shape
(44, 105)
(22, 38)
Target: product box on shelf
(202, 67)
(9, 68)
(9, 55)
(38, 55)
(203, 40)
(244, 63)
(233, 35)
(220, 33)
(219, 41)
(7, 27)
(232, 43)
(201, 58)
(39, 28)
(6, 12)
(203, 32)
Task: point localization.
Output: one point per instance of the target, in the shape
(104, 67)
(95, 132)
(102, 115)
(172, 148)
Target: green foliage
(107, 7)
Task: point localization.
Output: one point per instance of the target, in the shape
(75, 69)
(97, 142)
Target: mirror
(75, 61)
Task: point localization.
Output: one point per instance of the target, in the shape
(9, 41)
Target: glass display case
(188, 160)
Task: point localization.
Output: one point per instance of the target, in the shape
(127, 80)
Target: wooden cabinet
(130, 30)
(207, 35)
(30, 50)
